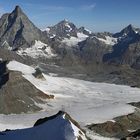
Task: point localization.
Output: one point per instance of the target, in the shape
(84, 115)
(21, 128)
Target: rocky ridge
(60, 126)
(18, 95)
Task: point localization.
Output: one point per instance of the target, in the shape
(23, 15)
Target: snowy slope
(39, 49)
(73, 41)
(47, 29)
(86, 102)
(57, 128)
(108, 40)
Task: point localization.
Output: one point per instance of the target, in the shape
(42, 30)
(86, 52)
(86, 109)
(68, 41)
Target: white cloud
(59, 7)
(46, 7)
(53, 8)
(88, 7)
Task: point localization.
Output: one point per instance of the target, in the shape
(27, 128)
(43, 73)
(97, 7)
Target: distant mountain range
(34, 65)
(102, 56)
(65, 42)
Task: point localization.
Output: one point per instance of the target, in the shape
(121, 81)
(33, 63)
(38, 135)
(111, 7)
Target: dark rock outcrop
(121, 126)
(38, 74)
(133, 136)
(92, 50)
(84, 31)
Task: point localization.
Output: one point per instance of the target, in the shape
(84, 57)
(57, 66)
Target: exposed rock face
(132, 55)
(38, 74)
(4, 75)
(17, 95)
(121, 126)
(126, 50)
(85, 31)
(16, 30)
(133, 136)
(93, 50)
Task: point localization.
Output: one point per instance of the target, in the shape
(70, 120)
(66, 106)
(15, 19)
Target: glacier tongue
(87, 102)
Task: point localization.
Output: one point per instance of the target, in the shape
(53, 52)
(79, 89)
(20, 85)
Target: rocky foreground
(124, 127)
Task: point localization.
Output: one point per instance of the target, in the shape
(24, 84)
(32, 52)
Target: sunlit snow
(69, 27)
(57, 128)
(39, 49)
(87, 102)
(109, 40)
(73, 41)
(90, 32)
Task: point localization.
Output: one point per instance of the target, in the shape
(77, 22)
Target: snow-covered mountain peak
(50, 128)
(62, 29)
(73, 126)
(66, 25)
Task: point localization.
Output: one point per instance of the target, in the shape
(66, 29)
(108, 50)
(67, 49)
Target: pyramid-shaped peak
(130, 27)
(18, 30)
(17, 10)
(17, 7)
(66, 23)
(129, 30)
(66, 20)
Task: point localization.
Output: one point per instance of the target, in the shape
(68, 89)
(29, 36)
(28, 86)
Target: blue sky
(97, 15)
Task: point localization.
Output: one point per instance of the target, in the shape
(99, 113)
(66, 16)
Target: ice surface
(87, 102)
